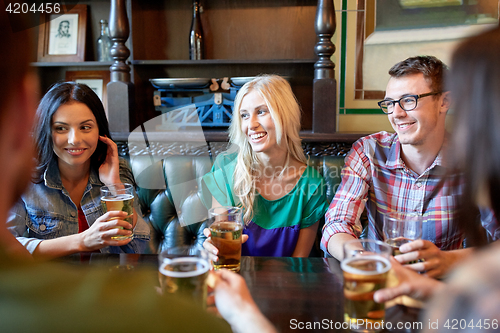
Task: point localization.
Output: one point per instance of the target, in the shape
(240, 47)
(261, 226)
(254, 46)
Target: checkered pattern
(375, 176)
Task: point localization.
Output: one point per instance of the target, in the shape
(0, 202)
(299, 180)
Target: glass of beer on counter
(119, 197)
(401, 228)
(365, 268)
(226, 227)
(183, 270)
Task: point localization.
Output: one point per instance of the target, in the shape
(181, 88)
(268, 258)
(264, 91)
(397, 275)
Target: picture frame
(61, 37)
(96, 80)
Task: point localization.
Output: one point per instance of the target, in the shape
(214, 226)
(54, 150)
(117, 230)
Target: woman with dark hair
(470, 296)
(60, 214)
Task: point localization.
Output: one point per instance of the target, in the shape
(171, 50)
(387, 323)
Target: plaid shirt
(375, 176)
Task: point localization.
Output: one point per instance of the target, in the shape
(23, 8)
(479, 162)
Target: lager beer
(363, 276)
(395, 243)
(123, 202)
(185, 276)
(226, 236)
(401, 228)
(226, 228)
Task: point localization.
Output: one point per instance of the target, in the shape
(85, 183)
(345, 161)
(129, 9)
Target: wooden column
(120, 90)
(324, 85)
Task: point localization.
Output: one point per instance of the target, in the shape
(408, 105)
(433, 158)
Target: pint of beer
(119, 197)
(226, 228)
(183, 271)
(365, 268)
(401, 228)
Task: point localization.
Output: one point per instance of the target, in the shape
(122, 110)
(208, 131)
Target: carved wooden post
(324, 85)
(120, 90)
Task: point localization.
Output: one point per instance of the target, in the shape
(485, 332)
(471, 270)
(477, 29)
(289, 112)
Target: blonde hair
(285, 112)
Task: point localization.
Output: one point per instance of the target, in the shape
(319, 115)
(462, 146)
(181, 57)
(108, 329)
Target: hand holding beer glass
(184, 271)
(401, 228)
(119, 197)
(226, 229)
(365, 268)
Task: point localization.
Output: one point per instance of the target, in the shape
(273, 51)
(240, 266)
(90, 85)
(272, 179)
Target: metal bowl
(173, 83)
(239, 81)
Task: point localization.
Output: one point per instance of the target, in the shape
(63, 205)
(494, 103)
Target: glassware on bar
(119, 197)
(226, 229)
(183, 270)
(365, 268)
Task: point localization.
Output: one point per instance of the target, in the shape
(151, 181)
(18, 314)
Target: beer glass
(183, 270)
(401, 228)
(119, 197)
(226, 228)
(365, 268)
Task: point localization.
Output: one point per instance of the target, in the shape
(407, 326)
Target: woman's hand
(109, 171)
(210, 247)
(99, 234)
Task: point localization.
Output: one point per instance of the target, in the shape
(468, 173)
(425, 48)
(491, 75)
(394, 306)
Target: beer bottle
(196, 40)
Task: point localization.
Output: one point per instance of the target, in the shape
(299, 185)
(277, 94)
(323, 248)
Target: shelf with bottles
(247, 30)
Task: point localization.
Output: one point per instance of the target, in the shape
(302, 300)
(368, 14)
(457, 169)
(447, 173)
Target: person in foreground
(471, 293)
(399, 172)
(60, 213)
(48, 297)
(283, 198)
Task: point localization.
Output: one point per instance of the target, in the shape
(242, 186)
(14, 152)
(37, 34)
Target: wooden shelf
(73, 64)
(243, 38)
(222, 62)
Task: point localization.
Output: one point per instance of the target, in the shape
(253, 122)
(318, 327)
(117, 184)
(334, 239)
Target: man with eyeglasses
(399, 171)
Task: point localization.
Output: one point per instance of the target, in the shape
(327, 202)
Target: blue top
(275, 226)
(46, 211)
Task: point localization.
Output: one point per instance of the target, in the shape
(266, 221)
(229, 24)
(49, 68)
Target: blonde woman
(266, 174)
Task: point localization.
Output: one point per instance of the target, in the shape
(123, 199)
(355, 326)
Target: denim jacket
(46, 211)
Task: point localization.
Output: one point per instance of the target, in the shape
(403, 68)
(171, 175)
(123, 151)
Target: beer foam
(202, 267)
(349, 269)
(119, 197)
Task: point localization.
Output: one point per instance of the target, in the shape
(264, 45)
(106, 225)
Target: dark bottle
(196, 40)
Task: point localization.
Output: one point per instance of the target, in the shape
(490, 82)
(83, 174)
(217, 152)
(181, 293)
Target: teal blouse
(276, 224)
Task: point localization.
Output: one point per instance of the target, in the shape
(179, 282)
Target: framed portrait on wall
(62, 36)
(96, 80)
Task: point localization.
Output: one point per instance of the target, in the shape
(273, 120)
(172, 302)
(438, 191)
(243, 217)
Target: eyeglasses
(406, 103)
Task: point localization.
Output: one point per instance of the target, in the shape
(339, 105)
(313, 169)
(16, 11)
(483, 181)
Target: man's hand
(434, 262)
(236, 305)
(411, 284)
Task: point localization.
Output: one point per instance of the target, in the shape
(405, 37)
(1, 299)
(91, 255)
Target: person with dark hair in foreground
(60, 213)
(470, 298)
(398, 172)
(48, 297)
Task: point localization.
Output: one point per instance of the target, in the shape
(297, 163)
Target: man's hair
(14, 59)
(433, 69)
